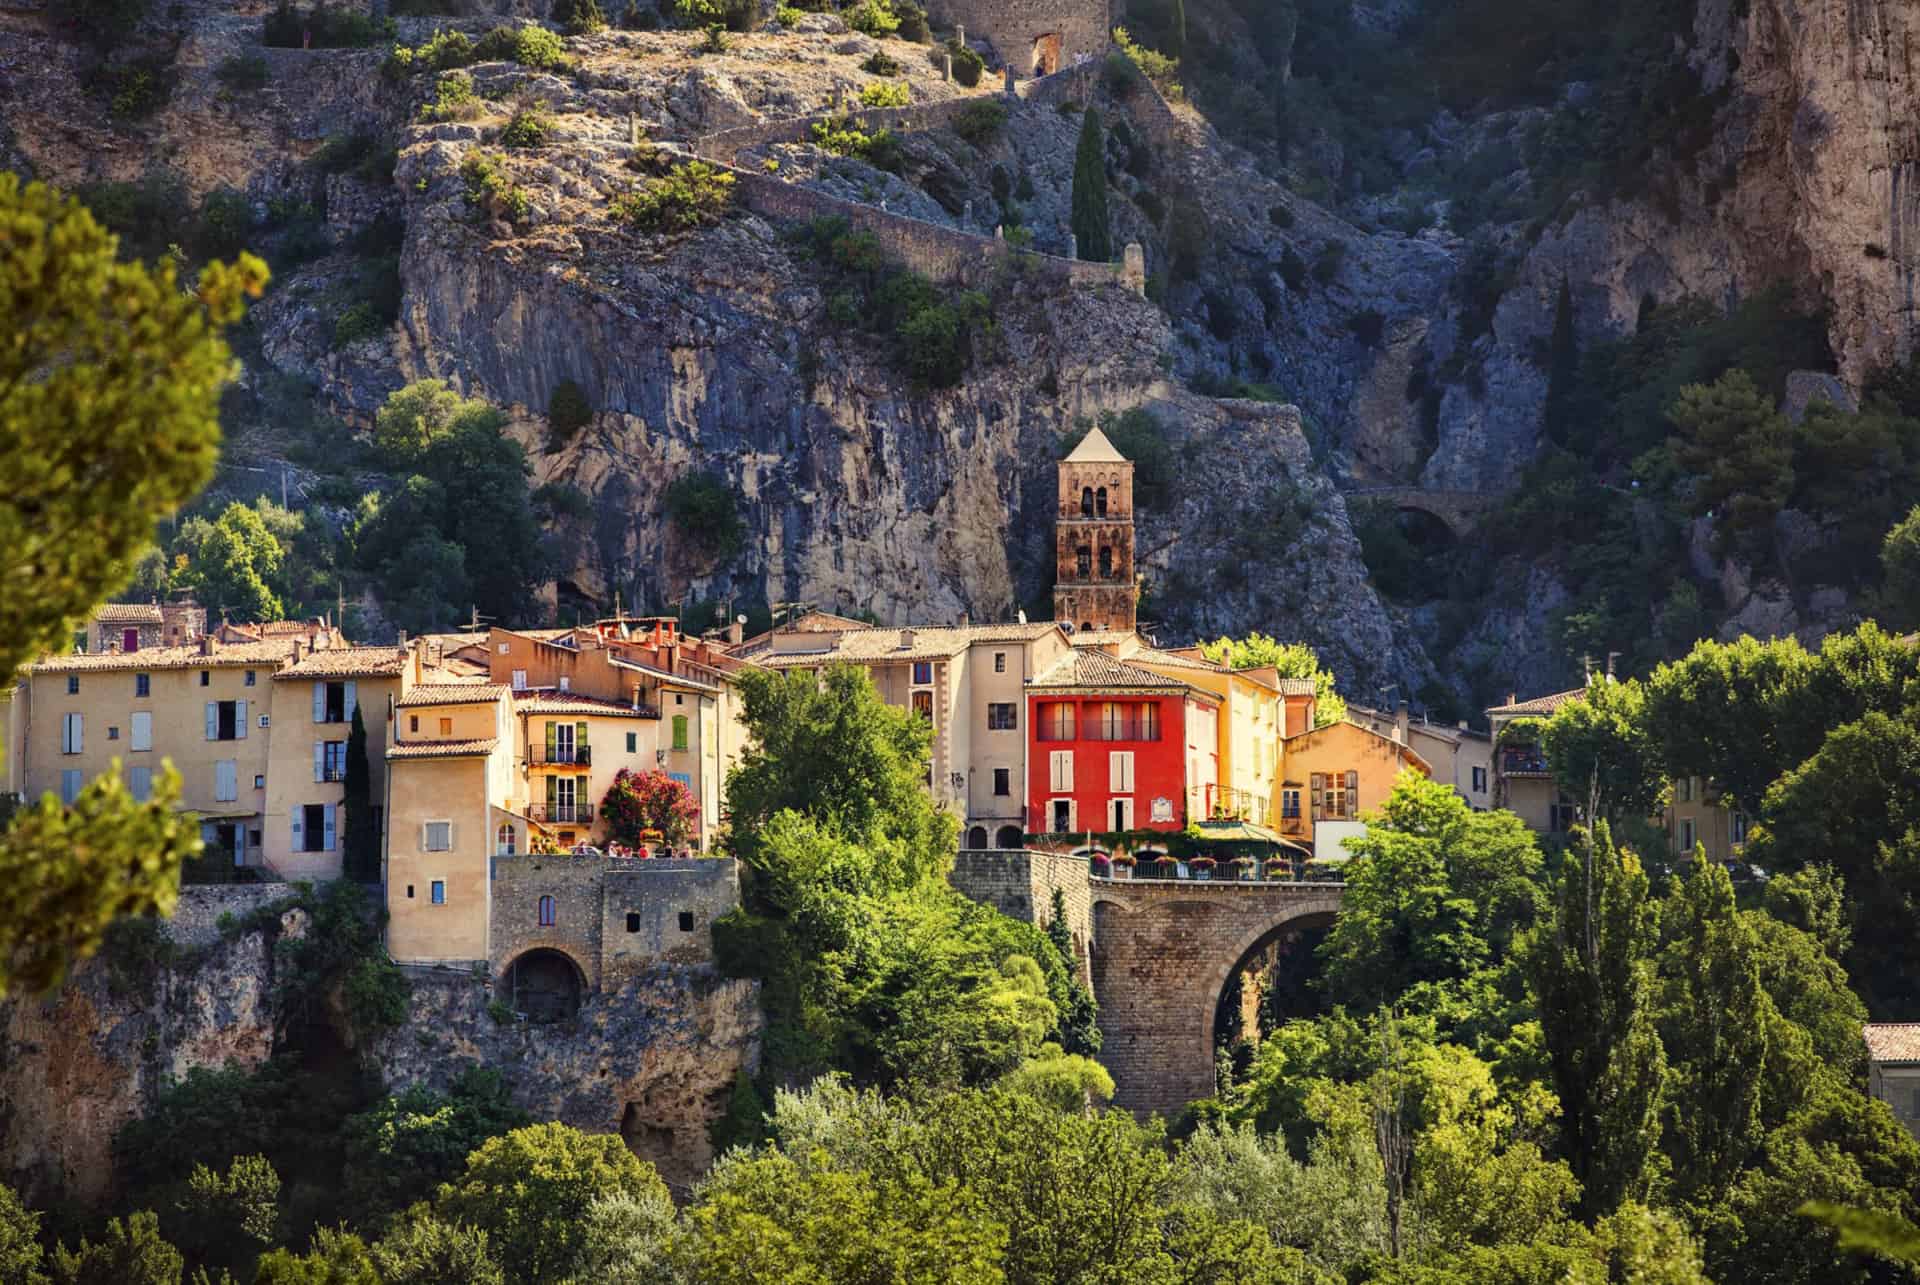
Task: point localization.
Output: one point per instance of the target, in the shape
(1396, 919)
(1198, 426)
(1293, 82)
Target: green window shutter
(679, 731)
(580, 735)
(552, 730)
(633, 742)
(553, 790)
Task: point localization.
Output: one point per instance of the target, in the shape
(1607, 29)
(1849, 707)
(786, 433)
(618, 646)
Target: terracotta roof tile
(1892, 1041)
(1097, 669)
(452, 694)
(442, 749)
(348, 662)
(868, 644)
(1297, 687)
(1540, 704)
(555, 703)
(127, 613)
(260, 654)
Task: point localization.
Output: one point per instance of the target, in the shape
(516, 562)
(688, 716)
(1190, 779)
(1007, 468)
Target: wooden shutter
(553, 738)
(319, 760)
(319, 702)
(142, 731)
(580, 736)
(213, 720)
(298, 843)
(240, 720)
(553, 789)
(1353, 795)
(1316, 784)
(327, 844)
(353, 699)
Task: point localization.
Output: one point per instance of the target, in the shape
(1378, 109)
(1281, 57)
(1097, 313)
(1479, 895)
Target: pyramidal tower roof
(1094, 448)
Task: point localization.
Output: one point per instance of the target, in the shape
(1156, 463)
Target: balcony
(561, 813)
(560, 755)
(1523, 760)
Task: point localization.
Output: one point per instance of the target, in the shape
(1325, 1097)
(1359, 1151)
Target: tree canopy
(1291, 660)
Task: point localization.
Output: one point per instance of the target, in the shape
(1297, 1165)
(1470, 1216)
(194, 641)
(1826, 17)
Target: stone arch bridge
(1460, 511)
(1158, 952)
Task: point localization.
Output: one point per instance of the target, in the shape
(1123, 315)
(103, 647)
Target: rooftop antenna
(1611, 657)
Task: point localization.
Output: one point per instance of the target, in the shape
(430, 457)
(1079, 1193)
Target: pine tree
(361, 859)
(1563, 367)
(1591, 974)
(1090, 226)
(1179, 35)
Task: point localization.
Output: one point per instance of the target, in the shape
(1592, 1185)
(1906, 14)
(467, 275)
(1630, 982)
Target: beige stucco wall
(290, 782)
(1002, 748)
(449, 789)
(1341, 748)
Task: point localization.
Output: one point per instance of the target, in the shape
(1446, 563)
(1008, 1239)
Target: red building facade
(1115, 747)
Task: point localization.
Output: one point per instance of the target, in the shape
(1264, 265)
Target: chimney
(1463, 724)
(402, 644)
(208, 645)
(1513, 698)
(906, 639)
(966, 619)
(296, 651)
(1400, 731)
(418, 667)
(736, 631)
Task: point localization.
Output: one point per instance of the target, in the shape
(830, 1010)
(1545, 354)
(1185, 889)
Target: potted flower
(1278, 867)
(1244, 866)
(1200, 867)
(1102, 867)
(1122, 864)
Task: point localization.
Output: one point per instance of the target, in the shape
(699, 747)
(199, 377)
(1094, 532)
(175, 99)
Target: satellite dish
(1066, 626)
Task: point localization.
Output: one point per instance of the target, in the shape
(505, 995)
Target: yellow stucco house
(1330, 776)
(1249, 728)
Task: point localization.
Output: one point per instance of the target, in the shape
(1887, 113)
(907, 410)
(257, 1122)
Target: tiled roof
(1540, 704)
(348, 662)
(1094, 448)
(127, 613)
(260, 654)
(556, 703)
(1893, 1041)
(1097, 669)
(452, 694)
(1174, 660)
(442, 749)
(1297, 687)
(1407, 751)
(870, 644)
(287, 628)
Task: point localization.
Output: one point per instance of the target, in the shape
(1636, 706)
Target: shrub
(585, 19)
(1293, 270)
(789, 17)
(1280, 216)
(491, 191)
(734, 15)
(913, 22)
(528, 127)
(886, 93)
(1332, 255)
(147, 216)
(568, 411)
(226, 217)
(879, 63)
(967, 65)
(242, 73)
(444, 51)
(873, 17)
(1156, 67)
(360, 153)
(707, 513)
(359, 322)
(689, 195)
(321, 27)
(981, 122)
(530, 46)
(842, 137)
(1368, 326)
(716, 41)
(105, 22)
(453, 99)
(133, 90)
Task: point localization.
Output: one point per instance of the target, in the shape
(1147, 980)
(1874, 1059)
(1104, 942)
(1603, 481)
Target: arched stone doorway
(1046, 54)
(544, 985)
(1010, 836)
(977, 837)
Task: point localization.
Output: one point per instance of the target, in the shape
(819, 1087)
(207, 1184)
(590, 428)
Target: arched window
(1086, 501)
(503, 842)
(1100, 501)
(1009, 837)
(1106, 563)
(1083, 559)
(546, 912)
(977, 837)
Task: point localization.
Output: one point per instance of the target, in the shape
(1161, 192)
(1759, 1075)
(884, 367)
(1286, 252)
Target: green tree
(20, 1252)
(361, 856)
(108, 419)
(422, 1250)
(1079, 1024)
(1289, 660)
(637, 802)
(1592, 983)
(526, 1189)
(413, 1141)
(336, 1257)
(127, 1253)
(1177, 32)
(1740, 447)
(1563, 368)
(224, 1219)
(1602, 744)
(1092, 228)
(1067, 1081)
(231, 562)
(425, 411)
(1900, 570)
(1736, 714)
(629, 1240)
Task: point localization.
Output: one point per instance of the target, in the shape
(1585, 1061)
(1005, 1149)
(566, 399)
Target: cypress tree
(1179, 30)
(360, 859)
(1090, 227)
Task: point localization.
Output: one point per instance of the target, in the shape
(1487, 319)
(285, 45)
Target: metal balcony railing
(560, 755)
(561, 813)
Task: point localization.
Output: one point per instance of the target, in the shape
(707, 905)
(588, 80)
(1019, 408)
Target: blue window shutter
(240, 720)
(298, 812)
(353, 698)
(213, 720)
(328, 844)
(319, 702)
(319, 760)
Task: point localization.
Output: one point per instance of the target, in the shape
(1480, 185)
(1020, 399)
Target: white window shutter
(319, 760)
(240, 720)
(142, 730)
(319, 702)
(1066, 757)
(213, 720)
(353, 699)
(140, 782)
(328, 844)
(1073, 811)
(79, 733)
(298, 812)
(423, 836)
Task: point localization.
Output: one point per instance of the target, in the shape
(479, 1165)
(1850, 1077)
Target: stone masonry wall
(575, 884)
(196, 918)
(615, 919)
(1020, 885)
(1011, 26)
(725, 145)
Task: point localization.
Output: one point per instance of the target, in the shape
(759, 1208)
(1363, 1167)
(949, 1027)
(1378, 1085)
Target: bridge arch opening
(1273, 982)
(1410, 549)
(544, 984)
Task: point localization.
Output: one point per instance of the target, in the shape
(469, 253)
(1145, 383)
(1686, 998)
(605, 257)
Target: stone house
(134, 626)
(1330, 776)
(1893, 1068)
(1032, 39)
(1522, 779)
(1460, 755)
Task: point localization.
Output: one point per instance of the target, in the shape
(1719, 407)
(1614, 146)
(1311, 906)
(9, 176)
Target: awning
(1246, 832)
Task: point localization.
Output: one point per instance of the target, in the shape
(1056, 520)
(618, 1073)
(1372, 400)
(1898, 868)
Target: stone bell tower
(1093, 584)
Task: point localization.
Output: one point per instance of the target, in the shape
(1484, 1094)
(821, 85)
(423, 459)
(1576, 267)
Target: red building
(1111, 746)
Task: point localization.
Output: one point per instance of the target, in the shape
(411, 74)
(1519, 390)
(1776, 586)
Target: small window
(547, 912)
(437, 892)
(566, 683)
(251, 678)
(1002, 782)
(409, 892)
(206, 677)
(519, 679)
(923, 672)
(633, 921)
(413, 722)
(503, 841)
(999, 662)
(259, 781)
(439, 836)
(504, 648)
(679, 698)
(73, 684)
(1002, 718)
(113, 733)
(633, 742)
(686, 921)
(142, 686)
(923, 705)
(446, 727)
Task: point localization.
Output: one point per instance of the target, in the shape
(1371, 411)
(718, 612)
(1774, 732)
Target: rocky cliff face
(654, 1061)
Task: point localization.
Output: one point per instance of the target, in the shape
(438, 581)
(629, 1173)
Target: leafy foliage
(1289, 660)
(690, 195)
(638, 802)
(409, 1143)
(1092, 225)
(706, 513)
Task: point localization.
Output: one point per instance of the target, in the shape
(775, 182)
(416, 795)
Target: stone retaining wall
(196, 918)
(615, 919)
(727, 144)
(1020, 884)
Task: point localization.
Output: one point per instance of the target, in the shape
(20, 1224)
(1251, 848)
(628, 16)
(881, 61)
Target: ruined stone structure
(1459, 511)
(1032, 37)
(1159, 951)
(565, 927)
(1094, 585)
